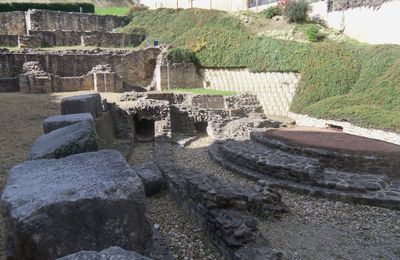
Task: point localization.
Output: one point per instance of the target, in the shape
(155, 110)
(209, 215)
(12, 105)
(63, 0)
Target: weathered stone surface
(107, 254)
(224, 209)
(305, 174)
(72, 139)
(152, 178)
(56, 122)
(88, 103)
(87, 201)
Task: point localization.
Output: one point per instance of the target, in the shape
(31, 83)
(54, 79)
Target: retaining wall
(366, 24)
(179, 75)
(12, 23)
(304, 120)
(9, 40)
(275, 90)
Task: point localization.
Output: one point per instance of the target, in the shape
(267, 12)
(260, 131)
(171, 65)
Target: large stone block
(72, 139)
(87, 201)
(111, 253)
(152, 178)
(87, 103)
(55, 122)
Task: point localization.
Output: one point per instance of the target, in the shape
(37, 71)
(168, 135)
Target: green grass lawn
(112, 10)
(202, 91)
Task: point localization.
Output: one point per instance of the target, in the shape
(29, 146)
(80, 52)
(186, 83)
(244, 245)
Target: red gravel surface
(334, 140)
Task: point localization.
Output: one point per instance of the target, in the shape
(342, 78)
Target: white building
(225, 5)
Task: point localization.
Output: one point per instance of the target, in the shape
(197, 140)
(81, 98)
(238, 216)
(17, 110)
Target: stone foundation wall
(45, 20)
(12, 23)
(84, 38)
(134, 68)
(9, 84)
(304, 120)
(275, 90)
(179, 75)
(9, 40)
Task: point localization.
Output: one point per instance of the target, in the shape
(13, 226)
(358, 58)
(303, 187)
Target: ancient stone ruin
(77, 197)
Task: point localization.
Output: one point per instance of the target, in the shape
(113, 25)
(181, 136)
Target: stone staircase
(346, 177)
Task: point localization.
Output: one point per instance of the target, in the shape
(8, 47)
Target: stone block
(87, 201)
(55, 122)
(110, 253)
(87, 103)
(152, 178)
(72, 139)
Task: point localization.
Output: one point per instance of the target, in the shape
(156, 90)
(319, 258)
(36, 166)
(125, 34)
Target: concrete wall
(135, 68)
(304, 120)
(224, 5)
(274, 90)
(12, 23)
(365, 24)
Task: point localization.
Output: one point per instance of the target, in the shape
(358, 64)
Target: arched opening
(144, 129)
(201, 128)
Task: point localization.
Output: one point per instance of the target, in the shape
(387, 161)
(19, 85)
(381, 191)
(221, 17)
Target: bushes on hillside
(66, 7)
(313, 34)
(179, 55)
(271, 12)
(295, 10)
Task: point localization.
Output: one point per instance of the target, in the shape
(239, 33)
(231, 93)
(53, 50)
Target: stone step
(361, 163)
(283, 170)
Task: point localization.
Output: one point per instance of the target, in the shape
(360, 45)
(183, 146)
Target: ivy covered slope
(346, 81)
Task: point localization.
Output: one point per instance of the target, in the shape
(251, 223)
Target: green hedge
(66, 7)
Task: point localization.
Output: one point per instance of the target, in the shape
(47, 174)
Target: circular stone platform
(334, 140)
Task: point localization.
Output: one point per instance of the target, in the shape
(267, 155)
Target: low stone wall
(9, 40)
(9, 84)
(135, 68)
(84, 38)
(12, 23)
(45, 20)
(304, 120)
(275, 90)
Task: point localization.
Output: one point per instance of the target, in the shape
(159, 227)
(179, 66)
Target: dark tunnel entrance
(201, 128)
(144, 129)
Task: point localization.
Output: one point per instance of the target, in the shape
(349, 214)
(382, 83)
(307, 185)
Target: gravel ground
(315, 228)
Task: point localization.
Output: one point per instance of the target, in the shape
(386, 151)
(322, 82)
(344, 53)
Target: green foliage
(179, 55)
(313, 34)
(296, 11)
(120, 11)
(271, 12)
(353, 82)
(66, 7)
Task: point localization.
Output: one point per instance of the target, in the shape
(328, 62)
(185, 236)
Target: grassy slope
(348, 81)
(112, 10)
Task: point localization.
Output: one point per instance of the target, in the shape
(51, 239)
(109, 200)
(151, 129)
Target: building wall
(365, 24)
(225, 5)
(275, 90)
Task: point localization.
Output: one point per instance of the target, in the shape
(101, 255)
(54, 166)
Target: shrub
(66, 7)
(179, 55)
(296, 11)
(271, 12)
(313, 34)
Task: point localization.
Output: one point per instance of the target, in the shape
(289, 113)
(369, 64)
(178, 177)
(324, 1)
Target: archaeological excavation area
(126, 167)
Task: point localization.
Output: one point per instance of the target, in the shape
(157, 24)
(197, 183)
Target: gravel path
(315, 228)
(183, 235)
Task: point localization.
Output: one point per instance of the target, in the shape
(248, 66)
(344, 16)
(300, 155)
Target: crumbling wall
(179, 75)
(134, 68)
(45, 20)
(12, 23)
(9, 40)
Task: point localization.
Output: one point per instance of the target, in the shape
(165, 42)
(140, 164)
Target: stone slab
(87, 103)
(55, 122)
(152, 178)
(107, 254)
(87, 201)
(72, 139)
